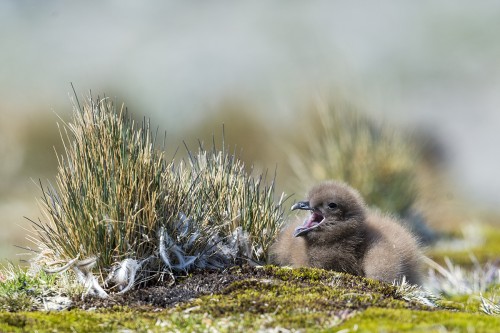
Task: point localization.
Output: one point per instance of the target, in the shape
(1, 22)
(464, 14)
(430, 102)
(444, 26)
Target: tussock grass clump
(342, 143)
(121, 212)
(244, 207)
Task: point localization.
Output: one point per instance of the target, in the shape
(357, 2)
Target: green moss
(311, 274)
(303, 299)
(298, 298)
(76, 320)
(487, 251)
(187, 320)
(164, 321)
(402, 320)
(345, 283)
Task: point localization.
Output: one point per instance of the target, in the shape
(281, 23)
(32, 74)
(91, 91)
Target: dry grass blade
(455, 280)
(489, 306)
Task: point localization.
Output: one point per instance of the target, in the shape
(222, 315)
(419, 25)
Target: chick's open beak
(312, 222)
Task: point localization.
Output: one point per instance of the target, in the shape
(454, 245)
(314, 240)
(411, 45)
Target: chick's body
(343, 235)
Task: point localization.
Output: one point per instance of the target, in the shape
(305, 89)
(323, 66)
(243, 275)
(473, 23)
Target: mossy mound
(241, 298)
(261, 290)
(251, 299)
(298, 299)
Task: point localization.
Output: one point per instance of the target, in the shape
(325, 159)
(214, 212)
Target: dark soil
(184, 289)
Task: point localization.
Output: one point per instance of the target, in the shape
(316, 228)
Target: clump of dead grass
(453, 280)
(479, 285)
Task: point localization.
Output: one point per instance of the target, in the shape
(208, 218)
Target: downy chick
(343, 235)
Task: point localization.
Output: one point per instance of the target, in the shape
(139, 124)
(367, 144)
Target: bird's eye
(332, 205)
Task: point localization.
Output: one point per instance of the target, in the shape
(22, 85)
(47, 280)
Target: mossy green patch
(164, 321)
(298, 299)
(303, 299)
(74, 321)
(371, 320)
(403, 320)
(484, 252)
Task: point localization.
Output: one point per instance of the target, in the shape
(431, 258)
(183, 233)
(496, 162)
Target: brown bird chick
(341, 234)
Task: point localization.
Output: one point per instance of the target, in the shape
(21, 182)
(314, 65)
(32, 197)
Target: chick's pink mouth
(312, 222)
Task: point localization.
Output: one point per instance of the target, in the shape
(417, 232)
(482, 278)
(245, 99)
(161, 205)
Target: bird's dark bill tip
(303, 205)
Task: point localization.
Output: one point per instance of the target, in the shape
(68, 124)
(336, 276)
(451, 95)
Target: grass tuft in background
(121, 212)
(339, 142)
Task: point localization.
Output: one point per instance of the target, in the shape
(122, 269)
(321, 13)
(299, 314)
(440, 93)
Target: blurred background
(429, 68)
